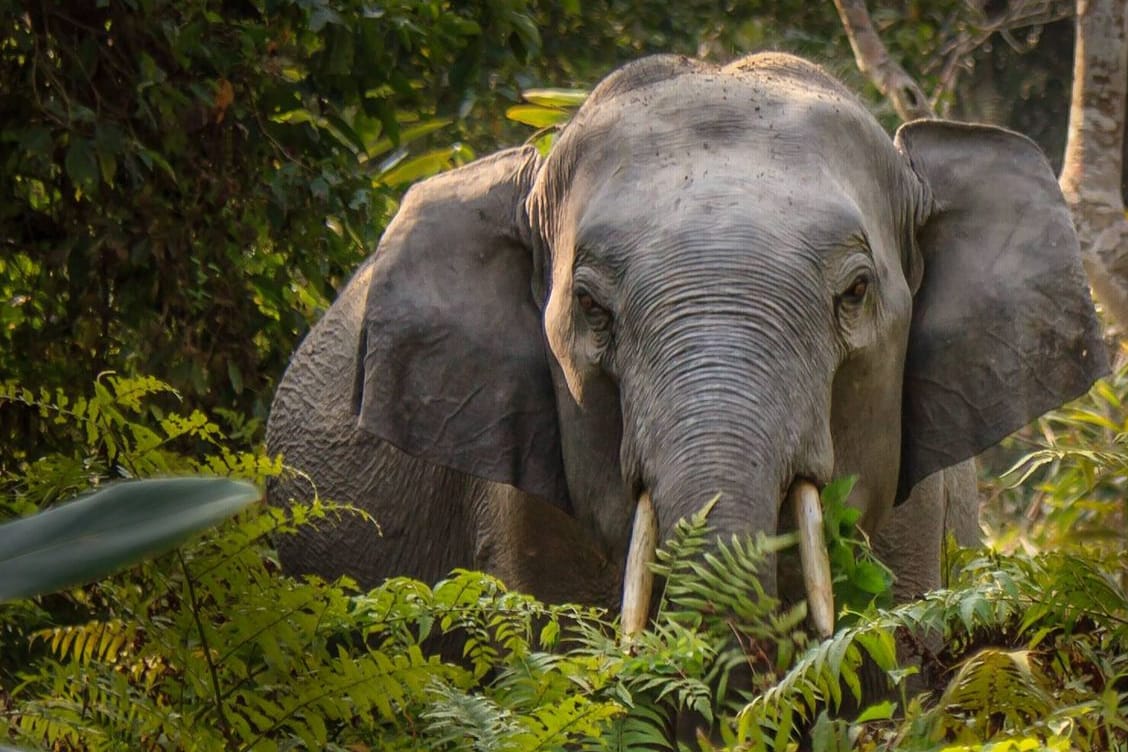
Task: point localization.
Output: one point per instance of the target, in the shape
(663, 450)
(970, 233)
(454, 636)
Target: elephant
(721, 282)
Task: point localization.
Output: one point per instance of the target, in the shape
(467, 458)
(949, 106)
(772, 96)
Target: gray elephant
(721, 280)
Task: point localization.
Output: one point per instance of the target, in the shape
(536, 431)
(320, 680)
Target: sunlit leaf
(407, 134)
(538, 117)
(882, 711)
(559, 98)
(424, 165)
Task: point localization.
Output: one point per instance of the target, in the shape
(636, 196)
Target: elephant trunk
(749, 441)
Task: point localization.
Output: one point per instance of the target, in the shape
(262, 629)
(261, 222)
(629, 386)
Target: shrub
(212, 647)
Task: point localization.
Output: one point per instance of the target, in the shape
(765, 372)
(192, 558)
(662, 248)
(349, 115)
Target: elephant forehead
(717, 203)
(789, 164)
(776, 117)
(771, 148)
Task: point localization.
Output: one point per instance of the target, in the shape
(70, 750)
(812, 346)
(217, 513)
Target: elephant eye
(597, 316)
(856, 292)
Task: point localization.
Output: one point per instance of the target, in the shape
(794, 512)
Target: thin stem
(224, 726)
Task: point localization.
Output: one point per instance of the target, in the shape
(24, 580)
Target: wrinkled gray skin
(719, 281)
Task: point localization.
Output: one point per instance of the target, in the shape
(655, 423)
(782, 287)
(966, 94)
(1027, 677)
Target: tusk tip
(813, 557)
(638, 580)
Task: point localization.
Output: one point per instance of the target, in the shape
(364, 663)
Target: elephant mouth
(638, 580)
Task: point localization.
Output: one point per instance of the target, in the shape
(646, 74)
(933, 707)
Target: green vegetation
(210, 647)
(186, 184)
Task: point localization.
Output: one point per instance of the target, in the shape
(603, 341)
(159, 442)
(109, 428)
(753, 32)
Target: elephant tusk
(638, 580)
(813, 556)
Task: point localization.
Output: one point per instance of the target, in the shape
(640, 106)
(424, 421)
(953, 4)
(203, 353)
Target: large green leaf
(562, 98)
(407, 134)
(537, 116)
(82, 165)
(120, 525)
(424, 165)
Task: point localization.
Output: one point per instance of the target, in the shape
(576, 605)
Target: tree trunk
(1092, 168)
(1093, 164)
(873, 60)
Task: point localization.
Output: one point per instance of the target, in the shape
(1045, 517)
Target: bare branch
(973, 26)
(1015, 14)
(984, 20)
(874, 61)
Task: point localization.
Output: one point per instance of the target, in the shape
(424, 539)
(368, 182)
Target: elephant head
(723, 280)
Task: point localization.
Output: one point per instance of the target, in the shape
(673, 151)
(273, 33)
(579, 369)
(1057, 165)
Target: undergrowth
(213, 648)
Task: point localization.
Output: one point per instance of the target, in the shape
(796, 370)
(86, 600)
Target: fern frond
(1002, 686)
(643, 727)
(102, 641)
(690, 538)
(465, 720)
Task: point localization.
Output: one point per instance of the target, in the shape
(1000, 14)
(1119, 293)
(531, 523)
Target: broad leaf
(424, 166)
(98, 534)
(406, 134)
(563, 98)
(536, 116)
(82, 165)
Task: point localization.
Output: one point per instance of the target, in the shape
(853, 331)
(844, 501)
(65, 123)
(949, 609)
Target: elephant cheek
(561, 336)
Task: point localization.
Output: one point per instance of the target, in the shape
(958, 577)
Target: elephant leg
(911, 543)
(911, 540)
(962, 504)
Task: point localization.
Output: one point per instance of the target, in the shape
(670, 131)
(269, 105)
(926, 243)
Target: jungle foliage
(187, 183)
(211, 647)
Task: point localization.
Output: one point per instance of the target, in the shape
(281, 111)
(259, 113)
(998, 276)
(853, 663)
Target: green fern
(460, 720)
(1002, 687)
(103, 641)
(213, 649)
(993, 692)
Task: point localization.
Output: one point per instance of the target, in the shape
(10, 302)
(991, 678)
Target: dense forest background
(189, 183)
(186, 185)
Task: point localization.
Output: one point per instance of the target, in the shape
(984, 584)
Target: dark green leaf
(36, 140)
(98, 534)
(235, 376)
(82, 164)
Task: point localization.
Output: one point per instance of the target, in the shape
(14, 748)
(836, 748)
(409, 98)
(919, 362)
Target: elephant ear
(453, 359)
(1003, 326)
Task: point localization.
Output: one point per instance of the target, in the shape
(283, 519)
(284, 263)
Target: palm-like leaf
(100, 533)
